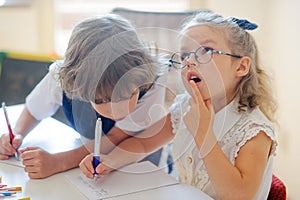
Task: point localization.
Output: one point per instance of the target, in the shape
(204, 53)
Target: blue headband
(244, 24)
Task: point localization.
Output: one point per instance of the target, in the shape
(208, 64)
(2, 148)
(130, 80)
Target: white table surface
(54, 137)
(171, 192)
(53, 187)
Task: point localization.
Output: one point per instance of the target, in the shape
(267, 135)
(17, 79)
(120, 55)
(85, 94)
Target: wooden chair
(278, 189)
(156, 29)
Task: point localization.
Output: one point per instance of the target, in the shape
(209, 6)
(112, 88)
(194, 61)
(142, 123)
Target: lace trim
(177, 110)
(201, 179)
(245, 130)
(253, 131)
(198, 178)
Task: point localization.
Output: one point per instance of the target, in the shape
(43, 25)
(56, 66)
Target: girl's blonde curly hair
(254, 89)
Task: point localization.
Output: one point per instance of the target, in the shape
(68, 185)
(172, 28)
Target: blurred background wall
(44, 26)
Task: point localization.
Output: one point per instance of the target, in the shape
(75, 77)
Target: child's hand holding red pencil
(11, 135)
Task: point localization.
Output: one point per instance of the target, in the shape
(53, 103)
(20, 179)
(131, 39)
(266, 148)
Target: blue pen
(96, 158)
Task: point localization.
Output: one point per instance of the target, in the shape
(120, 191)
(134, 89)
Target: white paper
(130, 179)
(13, 161)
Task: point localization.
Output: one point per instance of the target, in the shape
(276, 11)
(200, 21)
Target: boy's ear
(243, 66)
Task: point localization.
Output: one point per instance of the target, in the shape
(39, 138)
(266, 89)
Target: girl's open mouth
(195, 77)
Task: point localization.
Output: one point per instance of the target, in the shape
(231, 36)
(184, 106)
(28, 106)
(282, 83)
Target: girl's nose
(191, 60)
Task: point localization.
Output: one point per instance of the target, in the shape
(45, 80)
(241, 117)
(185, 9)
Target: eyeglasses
(202, 55)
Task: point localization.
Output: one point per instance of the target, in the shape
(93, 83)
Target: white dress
(232, 129)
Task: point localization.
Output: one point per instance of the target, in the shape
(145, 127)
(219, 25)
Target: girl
(105, 67)
(224, 138)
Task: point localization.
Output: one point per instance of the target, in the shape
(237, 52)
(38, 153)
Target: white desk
(50, 134)
(57, 137)
(53, 187)
(172, 192)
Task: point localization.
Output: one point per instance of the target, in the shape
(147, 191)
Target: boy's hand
(7, 149)
(86, 166)
(38, 163)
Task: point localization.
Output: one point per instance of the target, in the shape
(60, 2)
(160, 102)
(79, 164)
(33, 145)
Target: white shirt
(45, 99)
(232, 130)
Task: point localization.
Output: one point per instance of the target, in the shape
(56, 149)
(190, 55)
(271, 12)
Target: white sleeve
(149, 109)
(45, 99)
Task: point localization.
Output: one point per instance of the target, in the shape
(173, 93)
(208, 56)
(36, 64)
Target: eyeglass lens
(202, 55)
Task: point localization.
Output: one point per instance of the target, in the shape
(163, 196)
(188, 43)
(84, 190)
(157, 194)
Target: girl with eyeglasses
(222, 127)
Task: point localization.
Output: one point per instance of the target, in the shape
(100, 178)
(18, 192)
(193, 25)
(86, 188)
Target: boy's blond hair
(106, 61)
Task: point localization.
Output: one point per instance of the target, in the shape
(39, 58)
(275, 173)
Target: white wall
(284, 44)
(27, 29)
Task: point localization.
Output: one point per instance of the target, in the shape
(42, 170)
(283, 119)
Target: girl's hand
(7, 149)
(38, 163)
(199, 119)
(86, 166)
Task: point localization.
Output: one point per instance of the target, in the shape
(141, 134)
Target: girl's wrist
(206, 143)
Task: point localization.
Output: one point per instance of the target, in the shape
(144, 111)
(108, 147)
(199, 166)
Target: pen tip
(95, 177)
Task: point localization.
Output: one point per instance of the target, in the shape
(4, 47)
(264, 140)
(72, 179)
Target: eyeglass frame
(171, 61)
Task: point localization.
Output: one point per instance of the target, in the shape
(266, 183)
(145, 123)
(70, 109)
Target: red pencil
(11, 135)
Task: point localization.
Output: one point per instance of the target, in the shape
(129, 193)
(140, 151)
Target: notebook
(133, 178)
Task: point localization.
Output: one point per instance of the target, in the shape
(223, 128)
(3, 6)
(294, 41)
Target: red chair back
(278, 189)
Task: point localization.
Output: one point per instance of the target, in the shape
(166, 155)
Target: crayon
(24, 198)
(11, 188)
(6, 193)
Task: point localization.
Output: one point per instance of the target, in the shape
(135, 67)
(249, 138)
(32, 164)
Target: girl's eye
(184, 56)
(207, 50)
